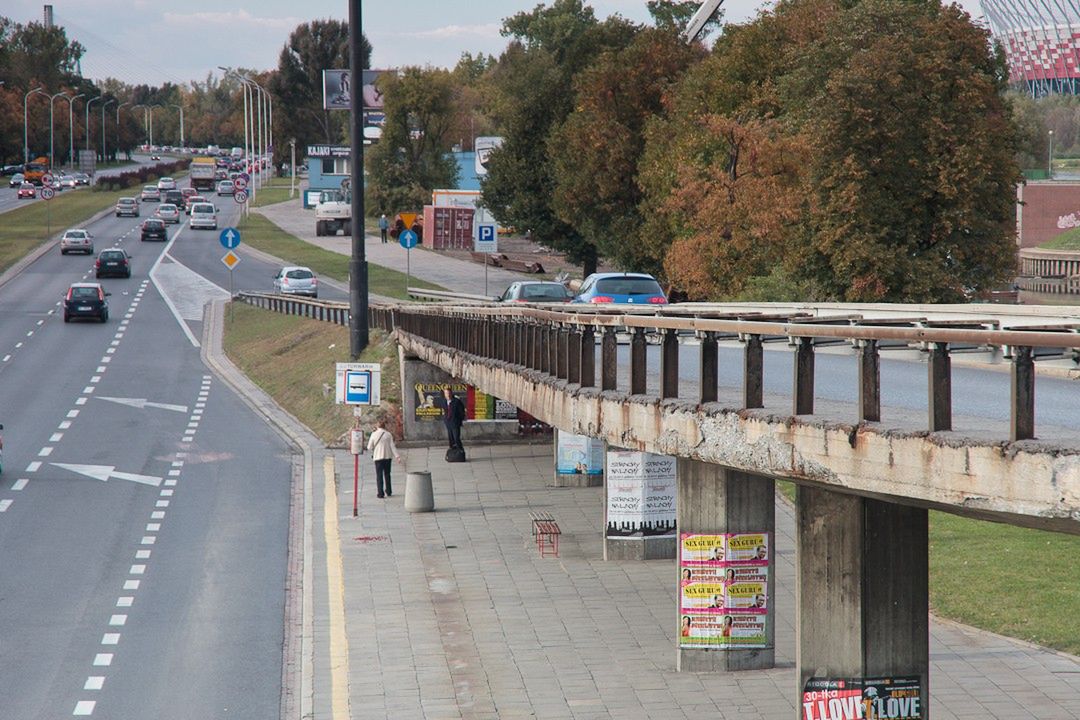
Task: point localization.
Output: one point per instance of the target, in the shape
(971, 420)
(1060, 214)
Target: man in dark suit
(453, 417)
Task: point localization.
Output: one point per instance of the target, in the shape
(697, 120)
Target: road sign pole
(485, 275)
(408, 269)
(231, 301)
(356, 486)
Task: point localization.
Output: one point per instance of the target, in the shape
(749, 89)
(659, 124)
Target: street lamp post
(71, 129)
(104, 156)
(1050, 157)
(151, 109)
(26, 138)
(88, 104)
(181, 109)
(52, 124)
(144, 123)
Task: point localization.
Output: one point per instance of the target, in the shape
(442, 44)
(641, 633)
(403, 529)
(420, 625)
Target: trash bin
(419, 496)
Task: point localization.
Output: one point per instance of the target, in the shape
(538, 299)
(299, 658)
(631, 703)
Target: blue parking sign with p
(487, 239)
(487, 233)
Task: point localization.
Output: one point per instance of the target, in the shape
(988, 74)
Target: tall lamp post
(358, 268)
(104, 156)
(181, 109)
(144, 123)
(151, 108)
(71, 129)
(126, 102)
(26, 138)
(246, 87)
(52, 124)
(88, 104)
(1050, 157)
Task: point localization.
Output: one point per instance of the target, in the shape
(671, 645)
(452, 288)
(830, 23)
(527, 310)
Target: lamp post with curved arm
(88, 104)
(103, 106)
(144, 125)
(126, 102)
(52, 152)
(71, 129)
(151, 109)
(181, 109)
(26, 137)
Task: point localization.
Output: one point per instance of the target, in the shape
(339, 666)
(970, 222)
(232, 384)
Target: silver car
(168, 212)
(77, 240)
(296, 280)
(203, 216)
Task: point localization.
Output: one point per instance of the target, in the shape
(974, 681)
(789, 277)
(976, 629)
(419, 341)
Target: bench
(547, 532)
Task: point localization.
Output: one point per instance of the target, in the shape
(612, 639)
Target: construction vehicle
(202, 172)
(333, 212)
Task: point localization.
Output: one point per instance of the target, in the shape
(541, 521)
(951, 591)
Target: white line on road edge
(335, 585)
(165, 296)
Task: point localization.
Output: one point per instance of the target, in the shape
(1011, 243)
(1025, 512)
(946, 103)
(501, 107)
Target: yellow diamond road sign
(231, 259)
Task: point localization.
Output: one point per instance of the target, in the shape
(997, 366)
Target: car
(11, 169)
(621, 288)
(296, 280)
(153, 229)
(173, 196)
(81, 178)
(168, 212)
(203, 216)
(188, 192)
(226, 187)
(191, 200)
(27, 190)
(113, 261)
(127, 206)
(67, 182)
(77, 240)
(166, 183)
(150, 193)
(155, 156)
(86, 300)
(16, 180)
(536, 292)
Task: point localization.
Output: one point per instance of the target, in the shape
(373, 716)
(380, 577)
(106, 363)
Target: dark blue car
(621, 288)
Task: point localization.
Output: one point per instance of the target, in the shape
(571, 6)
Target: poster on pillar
(579, 455)
(478, 404)
(896, 698)
(640, 495)
(723, 590)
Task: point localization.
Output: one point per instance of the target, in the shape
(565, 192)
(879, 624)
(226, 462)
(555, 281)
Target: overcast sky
(153, 41)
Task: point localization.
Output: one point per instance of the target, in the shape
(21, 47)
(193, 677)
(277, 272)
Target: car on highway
(11, 169)
(77, 240)
(173, 196)
(113, 262)
(27, 190)
(621, 288)
(226, 187)
(187, 192)
(81, 178)
(537, 291)
(166, 183)
(191, 200)
(16, 180)
(65, 182)
(168, 212)
(86, 300)
(296, 280)
(155, 156)
(127, 206)
(153, 229)
(150, 193)
(203, 216)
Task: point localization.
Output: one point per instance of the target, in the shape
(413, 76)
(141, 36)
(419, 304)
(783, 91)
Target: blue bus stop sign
(407, 239)
(229, 237)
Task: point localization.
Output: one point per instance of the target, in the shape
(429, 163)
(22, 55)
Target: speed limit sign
(47, 193)
(240, 196)
(47, 180)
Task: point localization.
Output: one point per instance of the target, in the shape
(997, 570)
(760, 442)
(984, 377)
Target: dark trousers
(453, 434)
(382, 477)
(383, 233)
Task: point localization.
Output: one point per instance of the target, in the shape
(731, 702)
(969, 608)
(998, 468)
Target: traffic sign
(231, 259)
(229, 237)
(487, 239)
(358, 383)
(240, 183)
(245, 176)
(408, 239)
(47, 193)
(240, 196)
(47, 179)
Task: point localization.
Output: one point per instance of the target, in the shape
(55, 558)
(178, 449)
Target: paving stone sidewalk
(452, 614)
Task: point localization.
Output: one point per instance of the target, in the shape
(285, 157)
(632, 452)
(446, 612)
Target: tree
(412, 159)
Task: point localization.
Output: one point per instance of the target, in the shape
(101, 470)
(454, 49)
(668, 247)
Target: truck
(333, 212)
(202, 172)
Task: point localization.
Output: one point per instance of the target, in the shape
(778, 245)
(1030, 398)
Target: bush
(140, 176)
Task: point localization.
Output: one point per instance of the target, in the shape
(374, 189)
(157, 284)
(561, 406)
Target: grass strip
(1010, 580)
(293, 359)
(262, 234)
(276, 190)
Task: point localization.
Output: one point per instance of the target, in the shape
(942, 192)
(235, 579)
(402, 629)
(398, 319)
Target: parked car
(625, 288)
(536, 292)
(226, 187)
(295, 280)
(168, 212)
(86, 300)
(27, 190)
(154, 229)
(81, 178)
(114, 261)
(150, 193)
(16, 180)
(203, 216)
(77, 240)
(166, 183)
(127, 206)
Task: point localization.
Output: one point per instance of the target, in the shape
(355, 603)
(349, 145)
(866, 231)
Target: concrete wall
(1024, 483)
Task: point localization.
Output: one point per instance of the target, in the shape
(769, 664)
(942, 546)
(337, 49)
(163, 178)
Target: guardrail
(562, 344)
(424, 295)
(338, 313)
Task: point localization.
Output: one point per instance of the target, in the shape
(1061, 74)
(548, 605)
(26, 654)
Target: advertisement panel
(579, 455)
(337, 90)
(478, 404)
(895, 698)
(640, 494)
(484, 146)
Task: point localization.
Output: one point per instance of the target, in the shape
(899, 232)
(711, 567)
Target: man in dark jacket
(453, 417)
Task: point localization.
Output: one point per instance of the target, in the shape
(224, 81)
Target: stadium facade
(1042, 43)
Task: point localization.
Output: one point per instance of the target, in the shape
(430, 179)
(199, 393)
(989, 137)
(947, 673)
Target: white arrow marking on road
(143, 403)
(104, 472)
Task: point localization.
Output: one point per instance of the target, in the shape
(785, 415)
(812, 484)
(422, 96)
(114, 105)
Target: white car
(203, 216)
(77, 240)
(67, 182)
(168, 213)
(166, 183)
(296, 280)
(226, 187)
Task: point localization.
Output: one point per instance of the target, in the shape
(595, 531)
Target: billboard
(1046, 210)
(484, 146)
(641, 490)
(337, 89)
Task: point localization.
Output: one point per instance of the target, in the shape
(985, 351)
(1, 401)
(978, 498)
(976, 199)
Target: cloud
(231, 19)
(486, 30)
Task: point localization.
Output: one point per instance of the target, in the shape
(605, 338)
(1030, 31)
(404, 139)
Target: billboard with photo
(337, 89)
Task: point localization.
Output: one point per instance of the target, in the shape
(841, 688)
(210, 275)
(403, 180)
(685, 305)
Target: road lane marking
(45, 452)
(157, 515)
(88, 390)
(80, 401)
(103, 659)
(6, 358)
(95, 379)
(18, 345)
(142, 554)
(5, 504)
(106, 359)
(94, 682)
(164, 296)
(153, 527)
(56, 437)
(131, 584)
(125, 601)
(101, 369)
(118, 620)
(170, 482)
(73, 413)
(339, 641)
(20, 484)
(110, 639)
(84, 707)
(167, 492)
(64, 425)
(33, 467)
(148, 540)
(137, 570)
(40, 322)
(162, 503)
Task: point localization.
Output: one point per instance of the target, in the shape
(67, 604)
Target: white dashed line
(33, 467)
(174, 473)
(131, 584)
(110, 639)
(56, 437)
(89, 389)
(6, 358)
(5, 504)
(30, 334)
(84, 707)
(137, 570)
(157, 515)
(125, 601)
(106, 359)
(18, 345)
(45, 452)
(95, 379)
(40, 322)
(118, 620)
(153, 527)
(162, 503)
(94, 682)
(101, 369)
(142, 554)
(167, 493)
(80, 401)
(170, 482)
(103, 659)
(148, 540)
(64, 425)
(20, 484)
(73, 413)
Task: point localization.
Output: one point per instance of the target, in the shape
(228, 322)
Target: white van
(203, 216)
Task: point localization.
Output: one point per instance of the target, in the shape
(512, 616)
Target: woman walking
(383, 451)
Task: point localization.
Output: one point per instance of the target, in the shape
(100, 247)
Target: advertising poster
(862, 699)
(722, 631)
(478, 405)
(337, 90)
(748, 548)
(723, 590)
(579, 455)
(641, 494)
(696, 550)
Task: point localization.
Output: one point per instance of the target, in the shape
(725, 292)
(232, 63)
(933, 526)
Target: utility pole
(358, 271)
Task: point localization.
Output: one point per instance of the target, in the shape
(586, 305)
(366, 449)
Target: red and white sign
(47, 179)
(240, 196)
(240, 183)
(47, 193)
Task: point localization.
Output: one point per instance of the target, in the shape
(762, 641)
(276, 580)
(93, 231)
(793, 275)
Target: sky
(156, 41)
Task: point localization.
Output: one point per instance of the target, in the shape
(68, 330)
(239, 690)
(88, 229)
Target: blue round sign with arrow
(408, 239)
(230, 238)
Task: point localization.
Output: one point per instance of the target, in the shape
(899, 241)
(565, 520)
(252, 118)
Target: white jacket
(381, 444)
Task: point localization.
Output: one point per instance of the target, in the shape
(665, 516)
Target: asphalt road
(143, 548)
(9, 198)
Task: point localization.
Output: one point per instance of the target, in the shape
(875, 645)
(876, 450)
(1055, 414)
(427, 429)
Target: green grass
(264, 235)
(1010, 580)
(293, 358)
(276, 190)
(1068, 240)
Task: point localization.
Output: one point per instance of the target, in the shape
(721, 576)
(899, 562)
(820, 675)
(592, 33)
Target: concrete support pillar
(713, 499)
(573, 479)
(862, 592)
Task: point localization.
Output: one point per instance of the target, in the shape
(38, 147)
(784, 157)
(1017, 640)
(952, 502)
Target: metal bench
(547, 532)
